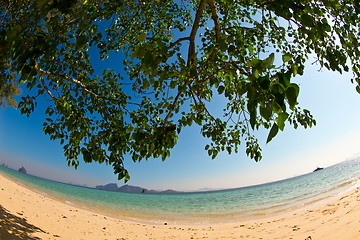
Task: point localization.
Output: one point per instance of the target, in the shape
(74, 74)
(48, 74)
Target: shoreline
(176, 219)
(155, 218)
(41, 217)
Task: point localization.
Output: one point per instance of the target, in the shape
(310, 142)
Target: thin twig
(44, 85)
(47, 90)
(172, 108)
(77, 82)
(206, 110)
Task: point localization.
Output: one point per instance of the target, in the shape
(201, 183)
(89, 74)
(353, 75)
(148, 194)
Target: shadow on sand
(16, 228)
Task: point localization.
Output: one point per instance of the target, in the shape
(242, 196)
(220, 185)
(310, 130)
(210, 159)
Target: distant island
(22, 170)
(113, 187)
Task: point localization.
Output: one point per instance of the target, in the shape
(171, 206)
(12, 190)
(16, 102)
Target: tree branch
(215, 18)
(77, 82)
(194, 30)
(44, 85)
(178, 41)
(172, 108)
(47, 89)
(206, 110)
(191, 51)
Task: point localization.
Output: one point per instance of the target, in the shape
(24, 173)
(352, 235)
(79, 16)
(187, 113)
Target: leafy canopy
(177, 58)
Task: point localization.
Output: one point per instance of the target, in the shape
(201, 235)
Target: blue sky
(330, 96)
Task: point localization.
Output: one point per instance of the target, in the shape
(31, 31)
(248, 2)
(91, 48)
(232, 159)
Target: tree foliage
(177, 58)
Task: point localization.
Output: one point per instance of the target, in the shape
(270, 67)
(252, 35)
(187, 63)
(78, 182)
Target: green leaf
(256, 72)
(286, 57)
(307, 20)
(252, 105)
(148, 59)
(232, 49)
(145, 84)
(358, 89)
(81, 41)
(251, 50)
(139, 52)
(222, 44)
(277, 88)
(41, 3)
(214, 154)
(274, 130)
(284, 79)
(127, 177)
(173, 84)
(291, 94)
(86, 155)
(294, 69)
(281, 120)
(221, 89)
(269, 60)
(264, 82)
(253, 118)
(142, 37)
(266, 112)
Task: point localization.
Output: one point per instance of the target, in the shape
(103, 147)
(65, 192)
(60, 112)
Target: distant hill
(113, 187)
(132, 189)
(108, 187)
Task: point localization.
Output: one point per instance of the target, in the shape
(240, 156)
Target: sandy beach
(26, 214)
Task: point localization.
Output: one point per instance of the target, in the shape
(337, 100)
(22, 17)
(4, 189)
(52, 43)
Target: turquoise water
(204, 207)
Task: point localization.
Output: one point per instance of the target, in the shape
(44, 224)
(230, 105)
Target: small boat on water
(318, 169)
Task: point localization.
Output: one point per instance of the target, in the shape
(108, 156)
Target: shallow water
(204, 207)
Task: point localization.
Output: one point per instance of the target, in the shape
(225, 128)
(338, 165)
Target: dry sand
(26, 214)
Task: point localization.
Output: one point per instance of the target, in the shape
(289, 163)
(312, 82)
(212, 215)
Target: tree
(177, 58)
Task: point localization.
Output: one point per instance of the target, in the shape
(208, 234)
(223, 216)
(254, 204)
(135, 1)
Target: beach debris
(308, 238)
(318, 169)
(64, 216)
(295, 228)
(165, 223)
(239, 226)
(55, 235)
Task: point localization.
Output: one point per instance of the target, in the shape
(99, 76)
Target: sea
(204, 207)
